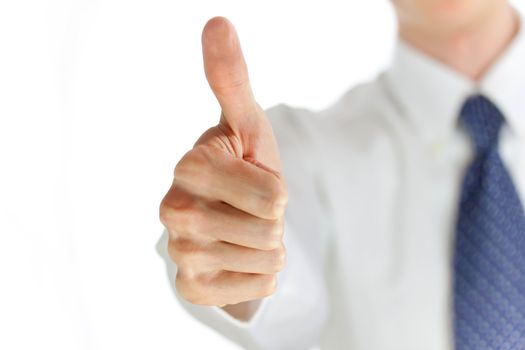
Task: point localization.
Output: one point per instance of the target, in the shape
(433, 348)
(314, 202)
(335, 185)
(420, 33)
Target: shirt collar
(504, 83)
(431, 94)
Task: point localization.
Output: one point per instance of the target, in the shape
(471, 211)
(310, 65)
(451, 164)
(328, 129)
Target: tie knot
(482, 120)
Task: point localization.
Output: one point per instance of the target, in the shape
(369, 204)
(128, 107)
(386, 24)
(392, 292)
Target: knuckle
(277, 198)
(165, 211)
(186, 166)
(193, 290)
(167, 214)
(184, 253)
(173, 251)
(183, 217)
(193, 259)
(187, 289)
(278, 259)
(193, 299)
(176, 200)
(183, 263)
(182, 246)
(184, 287)
(269, 286)
(198, 299)
(193, 169)
(274, 237)
(187, 220)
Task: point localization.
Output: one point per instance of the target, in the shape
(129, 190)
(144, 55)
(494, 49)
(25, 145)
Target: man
(404, 227)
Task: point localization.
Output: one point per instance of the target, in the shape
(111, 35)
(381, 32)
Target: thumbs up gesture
(224, 211)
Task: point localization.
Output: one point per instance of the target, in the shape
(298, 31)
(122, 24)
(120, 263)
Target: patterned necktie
(489, 256)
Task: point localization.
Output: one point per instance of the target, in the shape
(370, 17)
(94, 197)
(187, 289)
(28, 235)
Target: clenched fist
(224, 211)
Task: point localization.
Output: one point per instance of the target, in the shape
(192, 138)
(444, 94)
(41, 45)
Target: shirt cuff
(239, 323)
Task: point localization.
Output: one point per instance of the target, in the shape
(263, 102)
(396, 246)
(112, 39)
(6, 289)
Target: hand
(224, 211)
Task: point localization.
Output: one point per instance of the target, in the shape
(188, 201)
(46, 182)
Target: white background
(98, 101)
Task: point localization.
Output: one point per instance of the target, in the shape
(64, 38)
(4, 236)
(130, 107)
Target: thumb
(227, 73)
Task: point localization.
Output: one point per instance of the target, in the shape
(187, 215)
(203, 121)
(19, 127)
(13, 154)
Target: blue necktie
(489, 254)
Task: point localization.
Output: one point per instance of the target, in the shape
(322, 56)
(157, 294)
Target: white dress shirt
(374, 182)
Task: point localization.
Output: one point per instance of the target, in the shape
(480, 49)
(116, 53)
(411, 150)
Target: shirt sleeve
(294, 316)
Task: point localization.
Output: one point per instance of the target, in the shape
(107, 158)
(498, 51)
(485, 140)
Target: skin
(225, 208)
(466, 35)
(224, 211)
